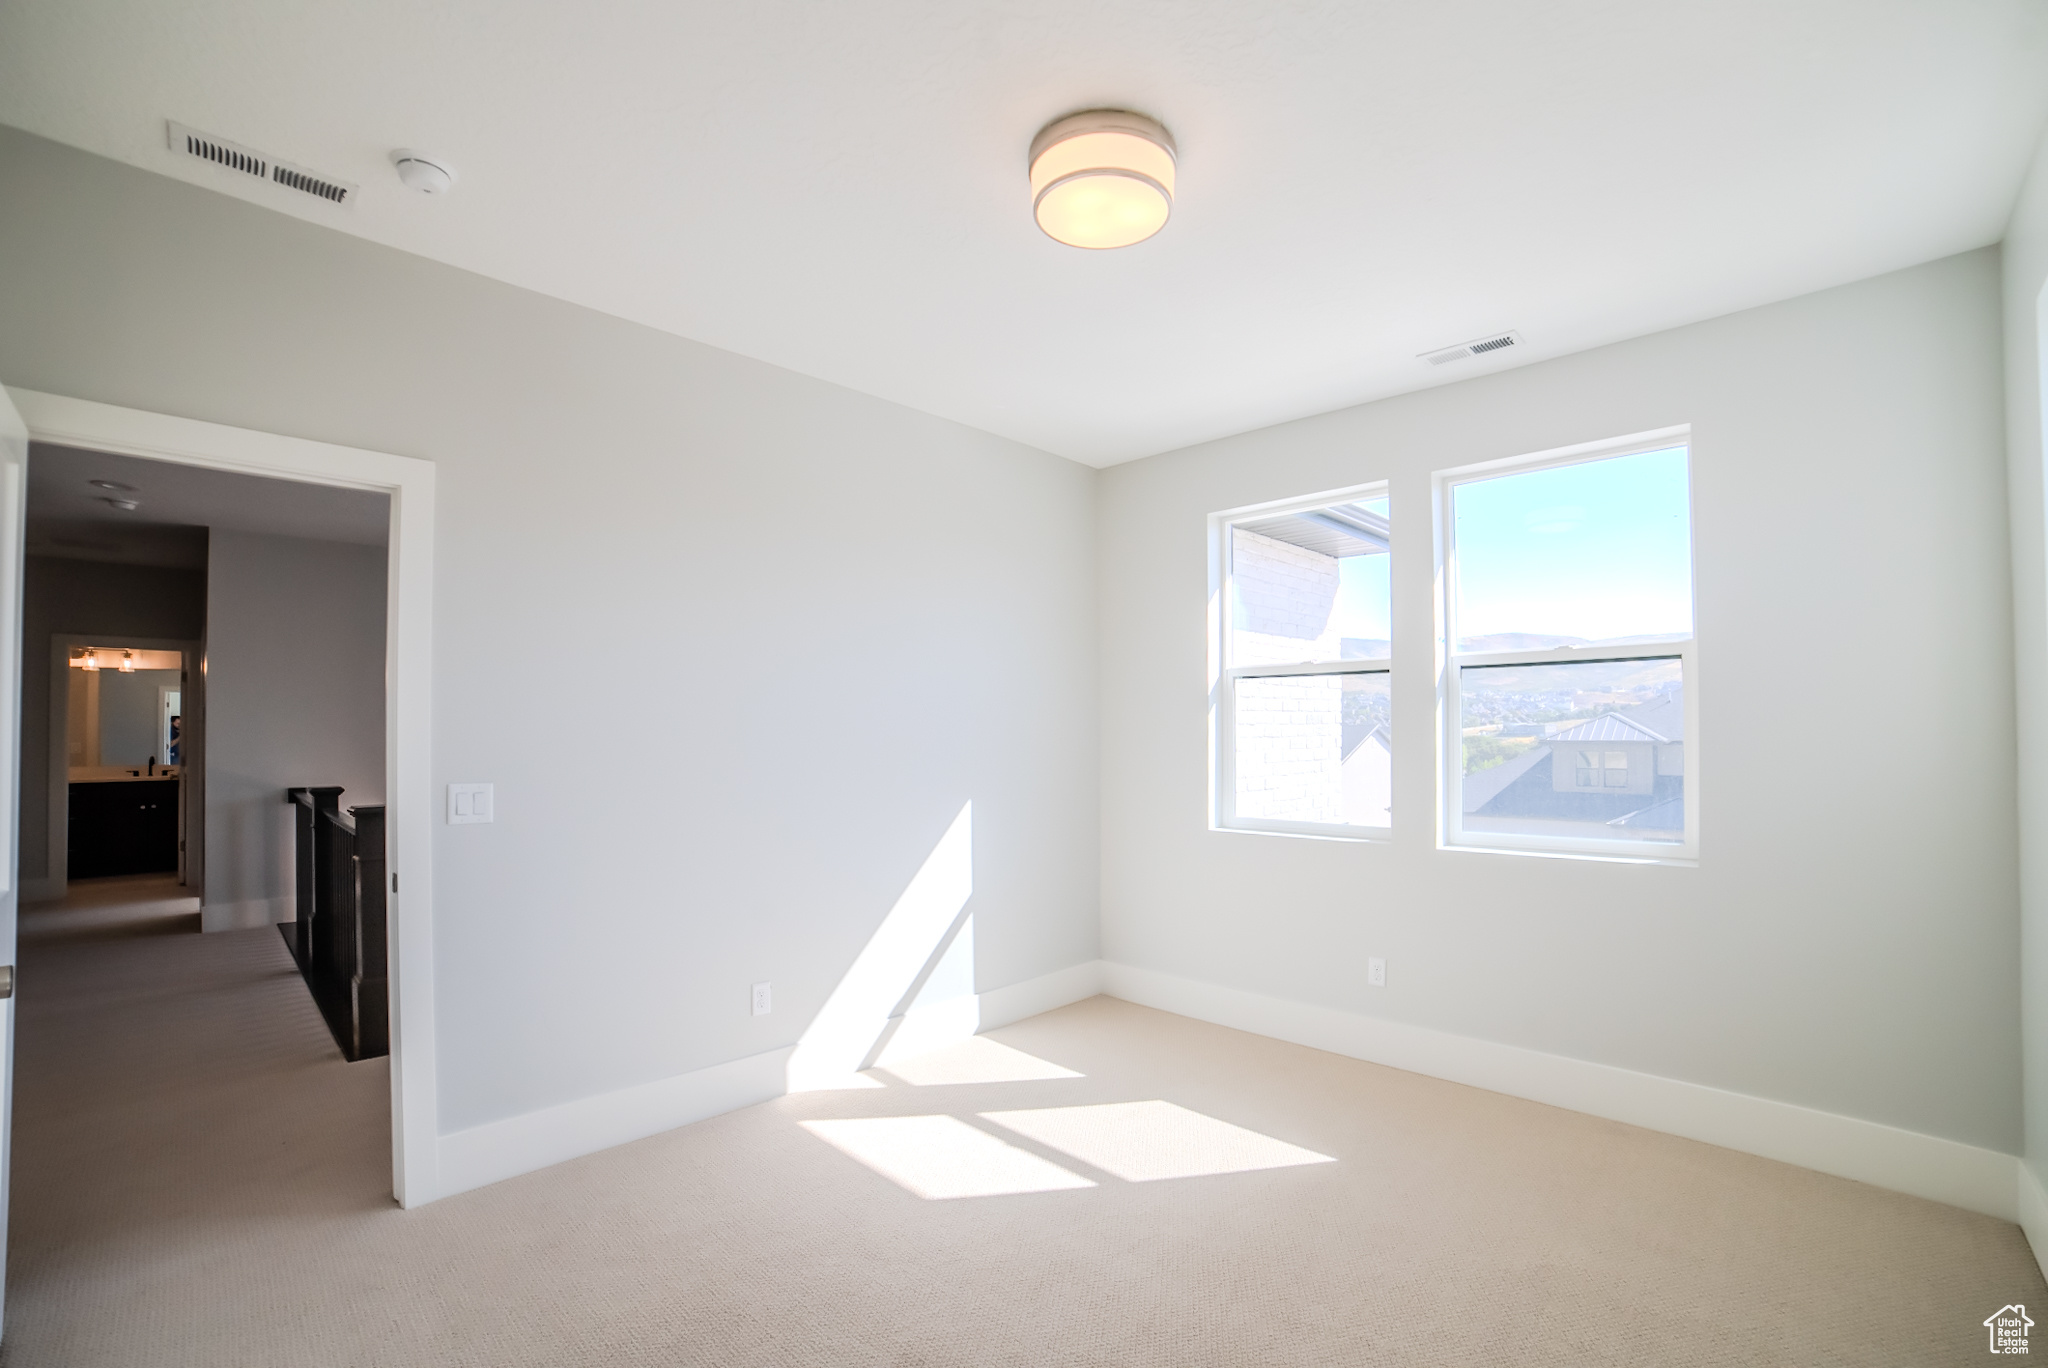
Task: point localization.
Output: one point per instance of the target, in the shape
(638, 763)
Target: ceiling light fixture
(1102, 179)
(125, 505)
(428, 175)
(114, 486)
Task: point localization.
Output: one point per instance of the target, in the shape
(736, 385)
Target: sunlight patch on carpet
(939, 1157)
(979, 1060)
(1141, 1142)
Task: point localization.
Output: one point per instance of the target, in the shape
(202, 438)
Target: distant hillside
(1536, 641)
(1365, 648)
(1518, 641)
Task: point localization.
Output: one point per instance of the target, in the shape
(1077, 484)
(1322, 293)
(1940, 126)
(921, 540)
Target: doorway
(122, 745)
(403, 489)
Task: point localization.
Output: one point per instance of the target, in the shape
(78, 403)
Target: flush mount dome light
(1102, 179)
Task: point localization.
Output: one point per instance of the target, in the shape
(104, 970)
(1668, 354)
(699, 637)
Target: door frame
(191, 821)
(408, 701)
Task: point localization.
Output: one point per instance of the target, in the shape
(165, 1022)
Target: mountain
(1518, 641)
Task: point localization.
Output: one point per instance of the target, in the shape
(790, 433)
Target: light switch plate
(469, 803)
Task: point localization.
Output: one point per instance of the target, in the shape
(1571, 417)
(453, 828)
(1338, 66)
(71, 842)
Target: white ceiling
(840, 188)
(68, 516)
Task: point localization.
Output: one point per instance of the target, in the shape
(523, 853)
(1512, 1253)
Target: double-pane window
(1304, 734)
(1568, 614)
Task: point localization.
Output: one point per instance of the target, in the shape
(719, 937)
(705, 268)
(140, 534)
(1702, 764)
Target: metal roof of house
(1612, 727)
(1668, 815)
(1488, 784)
(1522, 788)
(1349, 529)
(1663, 721)
(1377, 732)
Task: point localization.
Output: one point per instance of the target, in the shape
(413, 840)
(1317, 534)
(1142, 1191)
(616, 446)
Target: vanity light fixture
(1103, 178)
(127, 662)
(92, 660)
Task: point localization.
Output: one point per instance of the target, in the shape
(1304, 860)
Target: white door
(13, 501)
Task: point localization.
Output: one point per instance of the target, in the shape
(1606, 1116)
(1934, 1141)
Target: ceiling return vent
(191, 142)
(1493, 342)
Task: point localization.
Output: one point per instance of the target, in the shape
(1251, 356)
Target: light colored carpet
(199, 1179)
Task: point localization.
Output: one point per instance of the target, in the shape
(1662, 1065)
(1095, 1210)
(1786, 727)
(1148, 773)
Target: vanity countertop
(119, 774)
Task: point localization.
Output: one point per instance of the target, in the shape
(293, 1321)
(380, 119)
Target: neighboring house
(1368, 776)
(1298, 759)
(1621, 769)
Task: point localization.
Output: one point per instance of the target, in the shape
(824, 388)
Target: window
(1568, 626)
(1304, 741)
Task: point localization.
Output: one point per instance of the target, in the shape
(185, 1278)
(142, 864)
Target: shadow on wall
(911, 990)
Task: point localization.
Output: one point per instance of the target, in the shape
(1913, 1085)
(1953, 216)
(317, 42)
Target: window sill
(1597, 856)
(1362, 836)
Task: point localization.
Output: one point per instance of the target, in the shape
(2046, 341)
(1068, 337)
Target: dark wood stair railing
(338, 936)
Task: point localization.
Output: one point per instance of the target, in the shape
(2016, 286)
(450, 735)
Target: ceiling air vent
(191, 142)
(1478, 347)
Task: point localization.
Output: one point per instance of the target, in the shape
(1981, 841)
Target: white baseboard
(1868, 1151)
(241, 916)
(521, 1144)
(1001, 1006)
(42, 890)
(924, 1029)
(1885, 1156)
(2033, 1215)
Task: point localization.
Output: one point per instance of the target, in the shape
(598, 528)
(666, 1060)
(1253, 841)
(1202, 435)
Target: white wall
(1850, 947)
(2026, 269)
(295, 695)
(914, 630)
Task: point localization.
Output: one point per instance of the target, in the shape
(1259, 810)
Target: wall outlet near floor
(1376, 972)
(763, 1004)
(469, 803)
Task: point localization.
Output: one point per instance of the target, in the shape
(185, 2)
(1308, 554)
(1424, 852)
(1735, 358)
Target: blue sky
(1363, 592)
(1599, 550)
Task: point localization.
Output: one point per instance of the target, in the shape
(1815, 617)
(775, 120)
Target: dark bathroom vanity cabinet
(123, 826)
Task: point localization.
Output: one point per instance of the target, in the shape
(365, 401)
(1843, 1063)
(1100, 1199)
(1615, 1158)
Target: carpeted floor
(199, 1179)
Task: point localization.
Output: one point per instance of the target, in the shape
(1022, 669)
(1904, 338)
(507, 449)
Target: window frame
(1451, 832)
(1223, 676)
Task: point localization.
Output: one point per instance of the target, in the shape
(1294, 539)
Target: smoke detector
(1478, 346)
(429, 175)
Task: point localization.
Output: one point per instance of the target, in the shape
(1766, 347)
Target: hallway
(138, 1211)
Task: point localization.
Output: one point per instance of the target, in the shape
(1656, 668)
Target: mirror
(125, 711)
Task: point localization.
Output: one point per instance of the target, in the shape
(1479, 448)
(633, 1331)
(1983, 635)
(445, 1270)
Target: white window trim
(1451, 833)
(1222, 676)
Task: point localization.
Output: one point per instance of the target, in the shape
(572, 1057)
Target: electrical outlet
(1376, 972)
(763, 1003)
